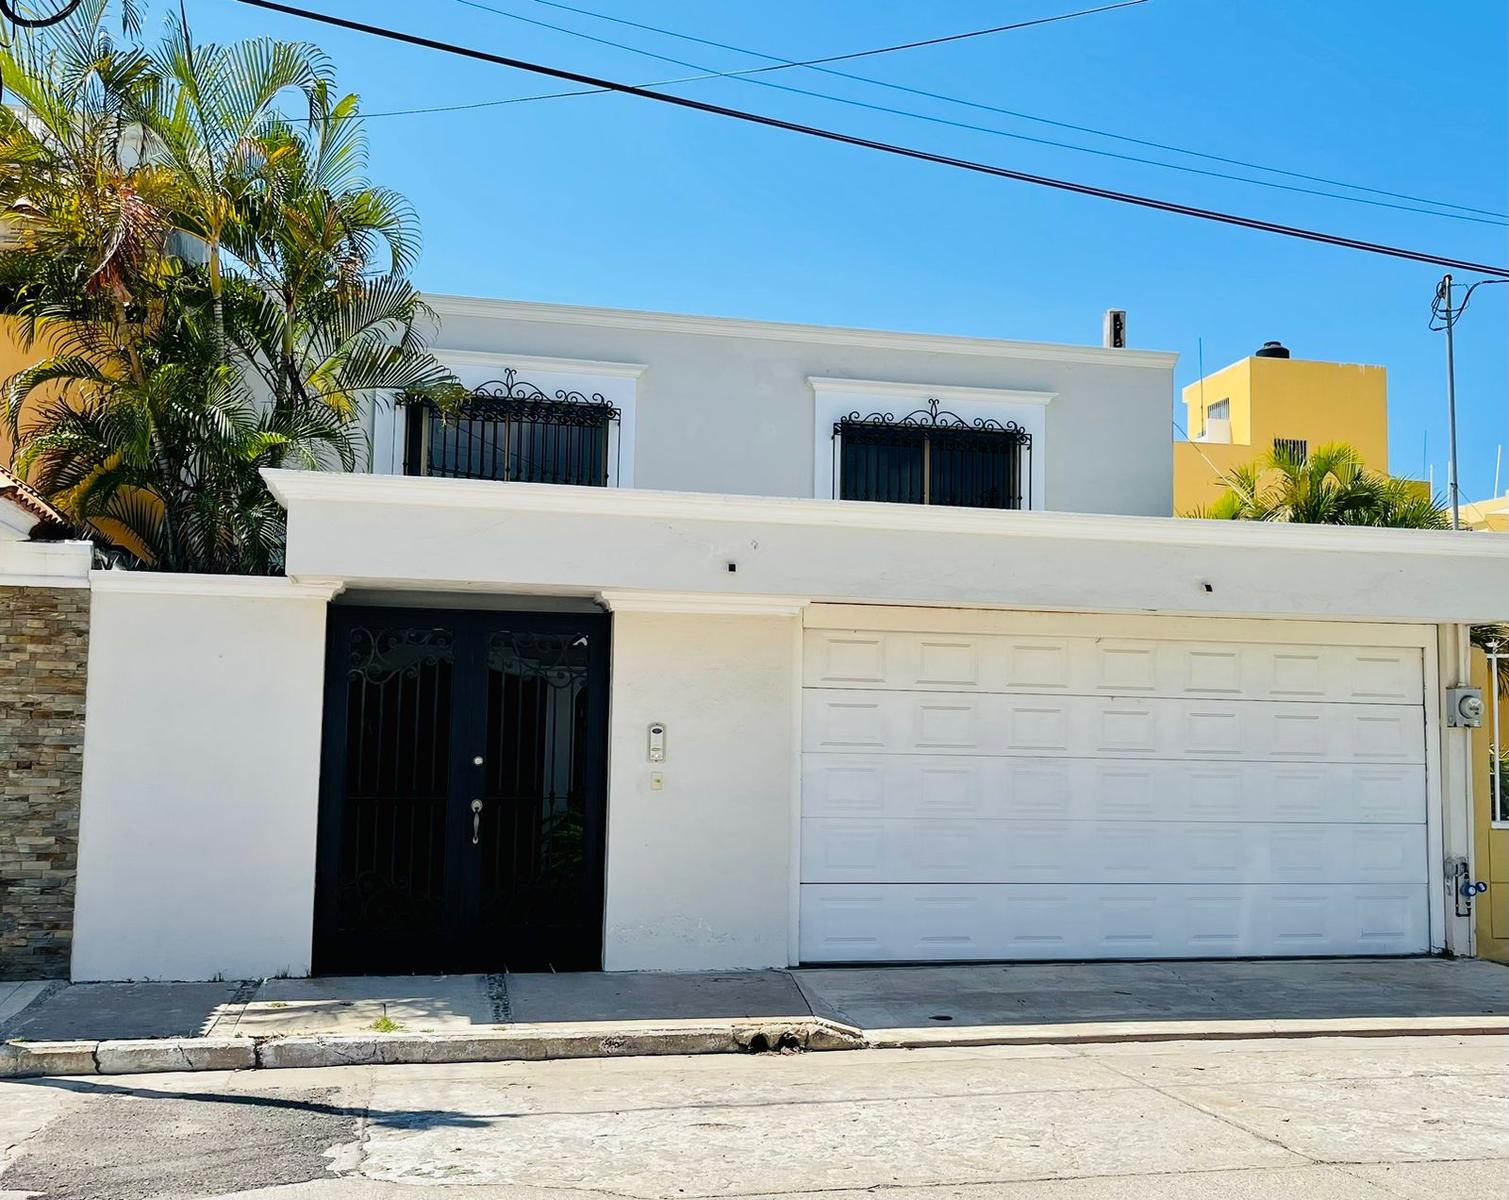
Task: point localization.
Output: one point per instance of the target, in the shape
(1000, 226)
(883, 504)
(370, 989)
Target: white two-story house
(699, 404)
(695, 643)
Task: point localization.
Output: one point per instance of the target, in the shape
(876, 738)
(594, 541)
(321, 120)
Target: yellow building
(1491, 821)
(15, 356)
(1240, 413)
(1491, 515)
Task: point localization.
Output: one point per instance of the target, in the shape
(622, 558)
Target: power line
(917, 45)
(1442, 312)
(848, 139)
(817, 65)
(779, 64)
(901, 112)
(9, 11)
(20, 20)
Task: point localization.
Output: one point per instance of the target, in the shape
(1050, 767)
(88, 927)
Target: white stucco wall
(729, 406)
(201, 774)
(699, 872)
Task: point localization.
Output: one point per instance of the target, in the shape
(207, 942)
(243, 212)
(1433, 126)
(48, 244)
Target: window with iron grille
(1295, 449)
(932, 456)
(511, 430)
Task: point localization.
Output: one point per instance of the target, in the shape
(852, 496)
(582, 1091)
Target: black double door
(462, 792)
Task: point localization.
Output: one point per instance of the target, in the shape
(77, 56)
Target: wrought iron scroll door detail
(511, 430)
(932, 456)
(462, 793)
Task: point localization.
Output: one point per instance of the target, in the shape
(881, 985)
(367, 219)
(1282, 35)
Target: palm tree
(1332, 486)
(1486, 637)
(222, 287)
(85, 212)
(156, 444)
(337, 318)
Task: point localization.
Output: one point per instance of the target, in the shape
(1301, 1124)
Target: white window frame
(834, 399)
(616, 382)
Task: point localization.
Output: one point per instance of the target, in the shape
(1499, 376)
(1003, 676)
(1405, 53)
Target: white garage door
(1059, 793)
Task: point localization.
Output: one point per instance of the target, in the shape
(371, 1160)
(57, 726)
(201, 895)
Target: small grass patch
(385, 1024)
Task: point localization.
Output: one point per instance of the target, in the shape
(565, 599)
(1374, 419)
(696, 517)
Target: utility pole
(1444, 313)
(1451, 402)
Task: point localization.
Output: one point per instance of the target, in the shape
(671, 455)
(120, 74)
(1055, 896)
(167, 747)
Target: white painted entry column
(1454, 668)
(700, 845)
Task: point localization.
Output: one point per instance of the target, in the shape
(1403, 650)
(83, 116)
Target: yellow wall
(14, 356)
(1270, 398)
(1233, 384)
(1198, 468)
(1491, 846)
(1490, 515)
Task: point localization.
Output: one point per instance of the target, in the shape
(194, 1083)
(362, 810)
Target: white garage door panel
(1085, 789)
(1052, 793)
(918, 922)
(836, 850)
(930, 723)
(1100, 666)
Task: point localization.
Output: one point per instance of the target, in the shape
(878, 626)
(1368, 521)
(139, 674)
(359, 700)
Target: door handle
(476, 821)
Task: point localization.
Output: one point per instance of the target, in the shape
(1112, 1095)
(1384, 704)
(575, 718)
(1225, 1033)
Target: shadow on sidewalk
(408, 1118)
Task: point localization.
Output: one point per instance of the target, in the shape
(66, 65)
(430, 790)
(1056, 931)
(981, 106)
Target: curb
(536, 1043)
(1097, 1033)
(519, 1043)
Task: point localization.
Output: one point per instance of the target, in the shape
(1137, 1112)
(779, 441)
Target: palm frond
(217, 287)
(1330, 486)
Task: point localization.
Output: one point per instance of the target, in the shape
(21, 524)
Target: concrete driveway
(1081, 993)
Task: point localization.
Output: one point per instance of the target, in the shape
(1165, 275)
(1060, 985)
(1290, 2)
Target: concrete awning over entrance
(464, 535)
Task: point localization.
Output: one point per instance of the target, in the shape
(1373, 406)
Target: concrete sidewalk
(291, 1022)
(401, 1003)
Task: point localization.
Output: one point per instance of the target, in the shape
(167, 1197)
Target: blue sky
(610, 200)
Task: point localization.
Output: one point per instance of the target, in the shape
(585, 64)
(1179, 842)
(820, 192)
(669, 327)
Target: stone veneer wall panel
(44, 646)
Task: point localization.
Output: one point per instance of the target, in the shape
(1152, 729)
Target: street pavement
(1318, 1119)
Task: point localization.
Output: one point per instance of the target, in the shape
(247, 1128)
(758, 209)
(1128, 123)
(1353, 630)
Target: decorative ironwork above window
(932, 456)
(1294, 449)
(508, 429)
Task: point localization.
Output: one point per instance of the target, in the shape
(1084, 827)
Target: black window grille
(932, 456)
(1294, 449)
(511, 430)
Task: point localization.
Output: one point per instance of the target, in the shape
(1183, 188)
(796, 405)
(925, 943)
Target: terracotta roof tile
(23, 495)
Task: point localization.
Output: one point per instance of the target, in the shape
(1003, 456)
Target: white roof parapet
(484, 308)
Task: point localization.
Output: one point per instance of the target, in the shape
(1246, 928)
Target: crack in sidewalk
(497, 996)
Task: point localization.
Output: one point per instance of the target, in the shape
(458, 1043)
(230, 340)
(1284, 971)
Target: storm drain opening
(784, 1042)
